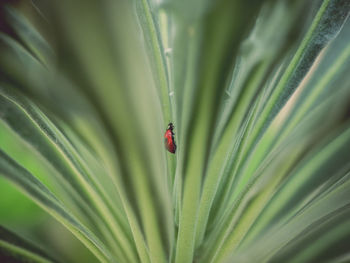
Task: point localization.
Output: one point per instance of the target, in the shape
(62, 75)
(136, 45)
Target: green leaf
(282, 209)
(37, 130)
(40, 194)
(258, 93)
(14, 248)
(31, 38)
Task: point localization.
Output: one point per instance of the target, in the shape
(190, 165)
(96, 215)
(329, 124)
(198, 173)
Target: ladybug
(169, 138)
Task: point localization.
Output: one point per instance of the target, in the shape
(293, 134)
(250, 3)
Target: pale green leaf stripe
(299, 178)
(243, 212)
(43, 197)
(110, 217)
(54, 134)
(309, 233)
(281, 235)
(319, 34)
(333, 235)
(156, 53)
(230, 241)
(183, 124)
(300, 113)
(77, 160)
(235, 157)
(293, 153)
(46, 128)
(287, 147)
(320, 232)
(252, 210)
(21, 249)
(91, 160)
(320, 85)
(81, 208)
(244, 215)
(24, 253)
(192, 173)
(281, 86)
(315, 116)
(257, 158)
(187, 181)
(112, 108)
(61, 145)
(190, 186)
(119, 238)
(138, 237)
(152, 35)
(203, 115)
(302, 110)
(148, 216)
(223, 155)
(135, 228)
(333, 206)
(36, 44)
(261, 49)
(183, 63)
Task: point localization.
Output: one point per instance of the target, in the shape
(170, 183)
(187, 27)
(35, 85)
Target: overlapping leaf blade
(17, 249)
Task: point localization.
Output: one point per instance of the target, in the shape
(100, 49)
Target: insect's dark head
(170, 126)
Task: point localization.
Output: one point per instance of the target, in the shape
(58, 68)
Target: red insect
(169, 138)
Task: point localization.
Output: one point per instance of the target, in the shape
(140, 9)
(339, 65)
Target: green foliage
(258, 92)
